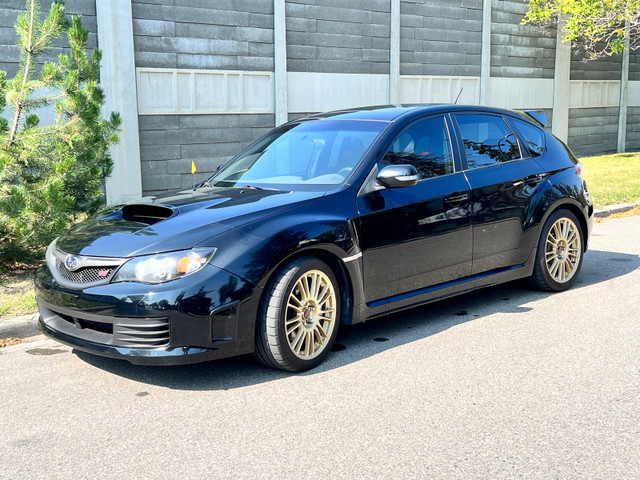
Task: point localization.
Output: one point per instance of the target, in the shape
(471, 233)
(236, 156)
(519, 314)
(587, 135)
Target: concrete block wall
(633, 131)
(634, 66)
(9, 11)
(338, 36)
(169, 143)
(607, 68)
(517, 50)
(440, 38)
(227, 35)
(593, 131)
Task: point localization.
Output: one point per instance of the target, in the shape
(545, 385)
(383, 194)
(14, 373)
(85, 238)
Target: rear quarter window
(532, 136)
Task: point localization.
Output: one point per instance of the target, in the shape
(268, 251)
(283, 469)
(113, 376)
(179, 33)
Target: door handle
(456, 199)
(531, 181)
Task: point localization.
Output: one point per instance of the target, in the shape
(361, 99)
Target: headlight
(164, 267)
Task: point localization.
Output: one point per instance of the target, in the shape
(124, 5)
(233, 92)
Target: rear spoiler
(538, 116)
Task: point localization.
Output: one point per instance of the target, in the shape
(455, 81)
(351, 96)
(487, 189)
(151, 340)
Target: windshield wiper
(253, 187)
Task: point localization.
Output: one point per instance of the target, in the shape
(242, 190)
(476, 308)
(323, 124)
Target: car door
(417, 236)
(504, 179)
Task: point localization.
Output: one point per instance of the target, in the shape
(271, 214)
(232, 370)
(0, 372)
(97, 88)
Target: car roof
(392, 113)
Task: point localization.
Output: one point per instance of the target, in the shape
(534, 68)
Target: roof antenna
(459, 93)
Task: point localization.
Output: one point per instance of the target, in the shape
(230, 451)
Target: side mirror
(398, 176)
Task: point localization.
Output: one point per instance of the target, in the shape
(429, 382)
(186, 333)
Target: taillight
(580, 170)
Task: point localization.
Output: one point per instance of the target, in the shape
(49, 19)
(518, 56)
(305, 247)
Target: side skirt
(445, 290)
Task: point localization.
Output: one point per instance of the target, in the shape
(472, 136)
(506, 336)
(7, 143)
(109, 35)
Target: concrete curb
(24, 326)
(616, 208)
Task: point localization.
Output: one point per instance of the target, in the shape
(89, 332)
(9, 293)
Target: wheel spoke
(313, 291)
(297, 343)
(297, 308)
(296, 299)
(304, 292)
(308, 343)
(554, 267)
(321, 333)
(296, 326)
(296, 318)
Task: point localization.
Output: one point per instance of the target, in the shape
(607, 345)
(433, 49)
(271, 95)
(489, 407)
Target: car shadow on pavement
(364, 340)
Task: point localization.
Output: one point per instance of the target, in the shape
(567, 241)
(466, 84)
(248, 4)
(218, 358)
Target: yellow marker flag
(193, 167)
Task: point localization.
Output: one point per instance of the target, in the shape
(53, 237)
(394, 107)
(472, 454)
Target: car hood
(176, 221)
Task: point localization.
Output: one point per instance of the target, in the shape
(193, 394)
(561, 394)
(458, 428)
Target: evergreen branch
(25, 77)
(49, 132)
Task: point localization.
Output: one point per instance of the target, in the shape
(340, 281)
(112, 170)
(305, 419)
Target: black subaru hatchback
(331, 219)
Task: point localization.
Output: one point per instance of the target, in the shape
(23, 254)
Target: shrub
(51, 176)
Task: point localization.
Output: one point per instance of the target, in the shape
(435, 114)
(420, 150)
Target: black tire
(307, 315)
(558, 260)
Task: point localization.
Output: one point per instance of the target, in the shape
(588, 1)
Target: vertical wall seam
(561, 85)
(280, 62)
(118, 72)
(394, 52)
(485, 58)
(624, 89)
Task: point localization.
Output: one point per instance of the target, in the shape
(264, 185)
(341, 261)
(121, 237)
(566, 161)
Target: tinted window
(532, 136)
(310, 155)
(487, 140)
(426, 146)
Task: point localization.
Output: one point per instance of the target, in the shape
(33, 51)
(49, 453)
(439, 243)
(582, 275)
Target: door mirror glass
(397, 176)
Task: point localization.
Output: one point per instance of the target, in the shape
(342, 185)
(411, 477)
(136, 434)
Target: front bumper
(205, 316)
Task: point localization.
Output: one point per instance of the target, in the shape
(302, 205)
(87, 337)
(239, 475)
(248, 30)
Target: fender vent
(145, 213)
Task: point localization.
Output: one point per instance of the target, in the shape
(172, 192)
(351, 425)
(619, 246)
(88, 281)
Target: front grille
(142, 332)
(86, 275)
(87, 271)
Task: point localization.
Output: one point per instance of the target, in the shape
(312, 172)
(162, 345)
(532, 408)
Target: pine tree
(51, 176)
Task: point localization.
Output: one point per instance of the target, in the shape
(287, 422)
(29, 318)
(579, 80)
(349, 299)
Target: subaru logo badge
(72, 263)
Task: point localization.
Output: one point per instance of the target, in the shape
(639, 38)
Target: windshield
(311, 155)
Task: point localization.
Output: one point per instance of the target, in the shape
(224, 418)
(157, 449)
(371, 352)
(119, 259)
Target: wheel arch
(575, 208)
(333, 260)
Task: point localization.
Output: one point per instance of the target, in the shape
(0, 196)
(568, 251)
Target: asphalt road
(502, 383)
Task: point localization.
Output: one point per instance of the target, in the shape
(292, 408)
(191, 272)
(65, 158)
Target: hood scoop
(146, 213)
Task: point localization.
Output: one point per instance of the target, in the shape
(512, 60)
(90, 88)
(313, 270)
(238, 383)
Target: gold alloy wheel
(310, 314)
(563, 250)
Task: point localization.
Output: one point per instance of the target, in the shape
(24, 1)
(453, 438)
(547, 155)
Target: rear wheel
(559, 254)
(299, 316)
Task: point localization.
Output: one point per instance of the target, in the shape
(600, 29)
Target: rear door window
(487, 140)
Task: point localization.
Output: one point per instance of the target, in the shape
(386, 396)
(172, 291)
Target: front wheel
(299, 316)
(559, 254)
